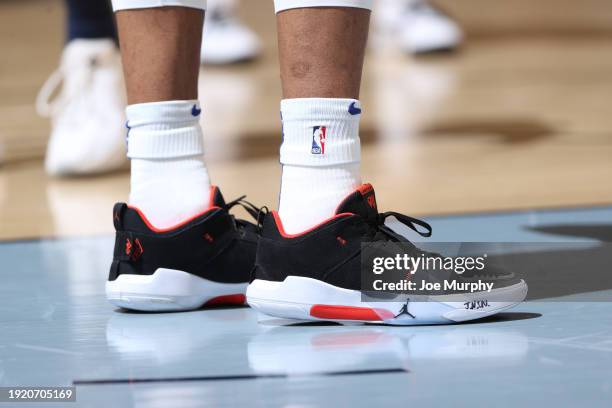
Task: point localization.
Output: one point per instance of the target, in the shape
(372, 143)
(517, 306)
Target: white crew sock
(317, 174)
(169, 182)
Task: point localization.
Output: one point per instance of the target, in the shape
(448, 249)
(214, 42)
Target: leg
(321, 59)
(177, 247)
(160, 48)
(321, 51)
(309, 262)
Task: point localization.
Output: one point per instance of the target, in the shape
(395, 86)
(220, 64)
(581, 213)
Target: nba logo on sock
(319, 133)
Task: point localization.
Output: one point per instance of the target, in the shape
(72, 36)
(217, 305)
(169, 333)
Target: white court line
(48, 349)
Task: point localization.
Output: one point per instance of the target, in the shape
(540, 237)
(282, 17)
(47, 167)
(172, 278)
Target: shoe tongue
(217, 199)
(360, 202)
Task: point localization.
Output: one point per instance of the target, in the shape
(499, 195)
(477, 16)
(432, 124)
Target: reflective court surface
(58, 329)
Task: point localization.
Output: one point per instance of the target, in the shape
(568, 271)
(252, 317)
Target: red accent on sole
(332, 312)
(238, 299)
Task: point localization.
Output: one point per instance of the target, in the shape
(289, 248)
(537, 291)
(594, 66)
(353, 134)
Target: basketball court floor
(508, 140)
(58, 329)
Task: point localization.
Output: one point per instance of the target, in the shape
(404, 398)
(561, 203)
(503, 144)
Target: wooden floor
(511, 122)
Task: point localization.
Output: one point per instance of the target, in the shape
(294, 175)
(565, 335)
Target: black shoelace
(251, 209)
(382, 232)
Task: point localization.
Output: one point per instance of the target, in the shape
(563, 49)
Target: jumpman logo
(404, 310)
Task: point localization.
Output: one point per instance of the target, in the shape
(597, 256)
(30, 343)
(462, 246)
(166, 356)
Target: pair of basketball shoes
(215, 258)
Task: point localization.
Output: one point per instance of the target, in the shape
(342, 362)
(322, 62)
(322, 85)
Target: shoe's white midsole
(167, 289)
(295, 297)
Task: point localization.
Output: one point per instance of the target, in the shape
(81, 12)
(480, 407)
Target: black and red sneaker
(316, 275)
(205, 260)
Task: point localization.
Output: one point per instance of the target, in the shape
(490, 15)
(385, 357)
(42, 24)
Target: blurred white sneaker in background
(416, 25)
(87, 116)
(226, 38)
(426, 29)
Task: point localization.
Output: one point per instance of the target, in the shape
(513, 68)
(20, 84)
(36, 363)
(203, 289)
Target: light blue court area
(56, 329)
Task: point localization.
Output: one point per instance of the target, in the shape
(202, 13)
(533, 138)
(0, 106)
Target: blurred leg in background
(87, 135)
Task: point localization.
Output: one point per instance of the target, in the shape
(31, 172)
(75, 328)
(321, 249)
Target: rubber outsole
(309, 299)
(171, 290)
